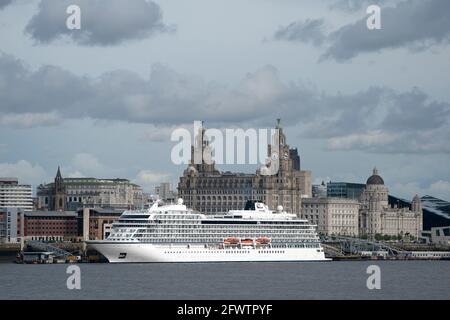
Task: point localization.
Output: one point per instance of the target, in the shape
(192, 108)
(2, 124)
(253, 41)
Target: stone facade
(377, 217)
(333, 216)
(74, 193)
(210, 191)
(164, 192)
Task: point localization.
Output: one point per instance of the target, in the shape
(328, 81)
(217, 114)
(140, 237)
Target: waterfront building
(100, 222)
(165, 192)
(345, 190)
(56, 225)
(440, 235)
(333, 216)
(293, 154)
(37, 225)
(51, 225)
(15, 195)
(436, 212)
(208, 190)
(74, 193)
(319, 190)
(10, 225)
(378, 217)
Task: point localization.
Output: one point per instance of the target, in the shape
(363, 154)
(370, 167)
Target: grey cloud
(310, 30)
(378, 119)
(103, 22)
(415, 111)
(48, 89)
(416, 24)
(355, 5)
(4, 3)
(413, 24)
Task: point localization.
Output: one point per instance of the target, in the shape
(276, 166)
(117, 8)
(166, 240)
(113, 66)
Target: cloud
(29, 120)
(26, 172)
(31, 94)
(378, 119)
(158, 133)
(148, 176)
(76, 174)
(148, 179)
(87, 163)
(368, 140)
(415, 108)
(439, 189)
(356, 5)
(103, 22)
(308, 31)
(413, 24)
(165, 98)
(5, 3)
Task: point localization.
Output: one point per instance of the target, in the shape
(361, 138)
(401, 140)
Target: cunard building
(209, 190)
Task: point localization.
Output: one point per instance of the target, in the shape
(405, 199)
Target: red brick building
(55, 225)
(51, 225)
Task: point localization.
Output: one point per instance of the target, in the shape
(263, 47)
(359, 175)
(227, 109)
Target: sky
(102, 101)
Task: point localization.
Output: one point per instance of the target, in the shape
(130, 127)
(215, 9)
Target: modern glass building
(345, 190)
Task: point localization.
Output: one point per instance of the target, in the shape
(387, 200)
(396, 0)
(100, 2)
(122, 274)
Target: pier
(348, 248)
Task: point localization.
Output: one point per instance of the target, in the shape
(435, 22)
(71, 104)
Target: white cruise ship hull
(148, 253)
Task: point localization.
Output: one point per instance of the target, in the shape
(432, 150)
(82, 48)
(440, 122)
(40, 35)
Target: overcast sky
(102, 101)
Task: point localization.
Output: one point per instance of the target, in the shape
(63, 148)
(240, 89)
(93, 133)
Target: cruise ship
(174, 233)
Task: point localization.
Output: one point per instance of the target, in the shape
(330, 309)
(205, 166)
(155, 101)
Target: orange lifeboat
(247, 242)
(231, 241)
(263, 240)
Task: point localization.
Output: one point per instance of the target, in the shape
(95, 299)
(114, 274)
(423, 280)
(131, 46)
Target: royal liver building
(208, 190)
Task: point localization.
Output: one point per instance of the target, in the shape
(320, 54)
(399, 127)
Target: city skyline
(105, 105)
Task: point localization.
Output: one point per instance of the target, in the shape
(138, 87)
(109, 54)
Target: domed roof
(375, 178)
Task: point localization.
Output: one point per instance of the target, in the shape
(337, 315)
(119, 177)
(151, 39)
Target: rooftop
(94, 181)
(9, 181)
(51, 214)
(375, 179)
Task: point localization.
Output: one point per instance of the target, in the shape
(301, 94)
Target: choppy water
(332, 280)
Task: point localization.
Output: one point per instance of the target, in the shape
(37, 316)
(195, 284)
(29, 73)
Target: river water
(326, 280)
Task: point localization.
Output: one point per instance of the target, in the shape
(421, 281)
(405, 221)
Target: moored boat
(174, 233)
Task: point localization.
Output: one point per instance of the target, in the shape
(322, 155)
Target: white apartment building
(15, 195)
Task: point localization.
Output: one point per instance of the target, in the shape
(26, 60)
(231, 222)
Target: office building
(333, 216)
